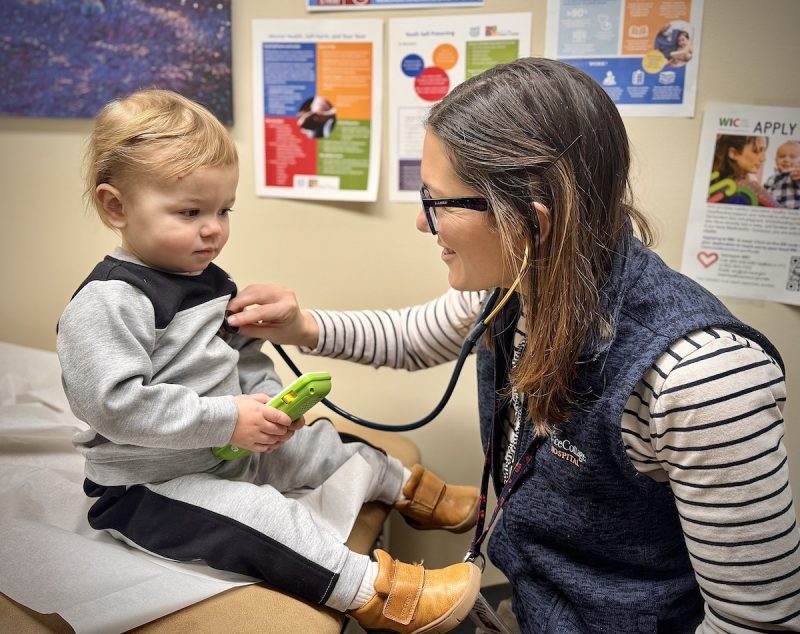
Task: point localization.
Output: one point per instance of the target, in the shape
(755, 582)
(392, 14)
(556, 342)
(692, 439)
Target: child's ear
(109, 202)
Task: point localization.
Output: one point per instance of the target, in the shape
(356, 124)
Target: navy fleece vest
(588, 543)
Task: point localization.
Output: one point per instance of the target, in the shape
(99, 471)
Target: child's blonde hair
(153, 133)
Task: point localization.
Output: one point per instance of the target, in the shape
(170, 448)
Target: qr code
(793, 279)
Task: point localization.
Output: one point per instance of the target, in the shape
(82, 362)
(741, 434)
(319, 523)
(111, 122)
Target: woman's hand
(268, 311)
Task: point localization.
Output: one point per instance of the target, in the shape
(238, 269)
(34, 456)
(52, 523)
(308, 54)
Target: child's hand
(260, 428)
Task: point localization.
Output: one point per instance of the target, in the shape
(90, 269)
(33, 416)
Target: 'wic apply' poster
(743, 234)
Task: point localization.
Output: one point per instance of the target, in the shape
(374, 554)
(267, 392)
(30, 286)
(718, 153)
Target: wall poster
(356, 5)
(317, 106)
(743, 234)
(643, 52)
(427, 58)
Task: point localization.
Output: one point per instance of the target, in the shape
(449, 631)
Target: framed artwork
(67, 58)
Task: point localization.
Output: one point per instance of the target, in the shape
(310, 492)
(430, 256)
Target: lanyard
(516, 473)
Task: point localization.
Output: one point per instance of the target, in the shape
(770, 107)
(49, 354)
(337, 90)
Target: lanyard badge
(482, 613)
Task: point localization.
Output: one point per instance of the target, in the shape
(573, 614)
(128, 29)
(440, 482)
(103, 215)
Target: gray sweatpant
(236, 517)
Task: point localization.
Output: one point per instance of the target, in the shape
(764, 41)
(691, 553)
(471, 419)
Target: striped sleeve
(410, 338)
(707, 419)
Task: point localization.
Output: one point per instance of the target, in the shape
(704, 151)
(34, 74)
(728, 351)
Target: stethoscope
(489, 311)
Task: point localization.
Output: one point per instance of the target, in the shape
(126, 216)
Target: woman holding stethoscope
(632, 425)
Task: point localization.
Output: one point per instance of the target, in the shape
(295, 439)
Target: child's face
(751, 157)
(180, 225)
(786, 157)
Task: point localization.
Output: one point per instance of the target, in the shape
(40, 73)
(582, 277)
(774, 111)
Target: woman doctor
(633, 426)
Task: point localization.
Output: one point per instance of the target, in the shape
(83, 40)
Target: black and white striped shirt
(706, 420)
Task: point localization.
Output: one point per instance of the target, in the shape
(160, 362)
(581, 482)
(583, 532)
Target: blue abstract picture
(67, 58)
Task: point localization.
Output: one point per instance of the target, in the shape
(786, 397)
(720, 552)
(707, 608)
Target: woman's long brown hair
(539, 130)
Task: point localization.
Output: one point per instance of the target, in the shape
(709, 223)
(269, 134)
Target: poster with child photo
(743, 233)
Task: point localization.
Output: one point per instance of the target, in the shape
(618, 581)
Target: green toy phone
(295, 400)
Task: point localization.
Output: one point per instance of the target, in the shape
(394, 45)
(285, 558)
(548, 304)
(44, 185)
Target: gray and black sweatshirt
(146, 364)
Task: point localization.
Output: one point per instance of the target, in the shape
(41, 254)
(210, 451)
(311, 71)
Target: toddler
(783, 186)
(149, 365)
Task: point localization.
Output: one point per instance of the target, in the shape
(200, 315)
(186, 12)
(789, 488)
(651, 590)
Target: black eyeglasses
(475, 203)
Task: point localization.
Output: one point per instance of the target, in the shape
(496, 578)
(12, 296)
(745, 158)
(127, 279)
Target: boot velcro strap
(407, 582)
(428, 493)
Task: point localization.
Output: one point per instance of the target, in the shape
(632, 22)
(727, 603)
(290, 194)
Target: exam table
(246, 608)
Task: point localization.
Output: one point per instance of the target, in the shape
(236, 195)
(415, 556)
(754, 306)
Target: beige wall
(353, 255)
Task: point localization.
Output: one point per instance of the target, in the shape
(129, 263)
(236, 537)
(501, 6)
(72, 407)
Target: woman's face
(471, 247)
(751, 157)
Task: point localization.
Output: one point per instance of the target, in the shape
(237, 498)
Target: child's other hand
(260, 428)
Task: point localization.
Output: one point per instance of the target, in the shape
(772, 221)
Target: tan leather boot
(431, 504)
(412, 600)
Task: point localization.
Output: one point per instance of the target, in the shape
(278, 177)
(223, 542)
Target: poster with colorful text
(354, 5)
(317, 105)
(427, 58)
(645, 53)
(743, 234)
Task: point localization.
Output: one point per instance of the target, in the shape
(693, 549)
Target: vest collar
(623, 276)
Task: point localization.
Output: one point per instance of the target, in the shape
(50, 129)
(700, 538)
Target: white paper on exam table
(51, 560)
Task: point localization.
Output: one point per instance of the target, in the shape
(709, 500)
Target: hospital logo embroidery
(568, 451)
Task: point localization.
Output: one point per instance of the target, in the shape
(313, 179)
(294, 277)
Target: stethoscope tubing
(490, 309)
